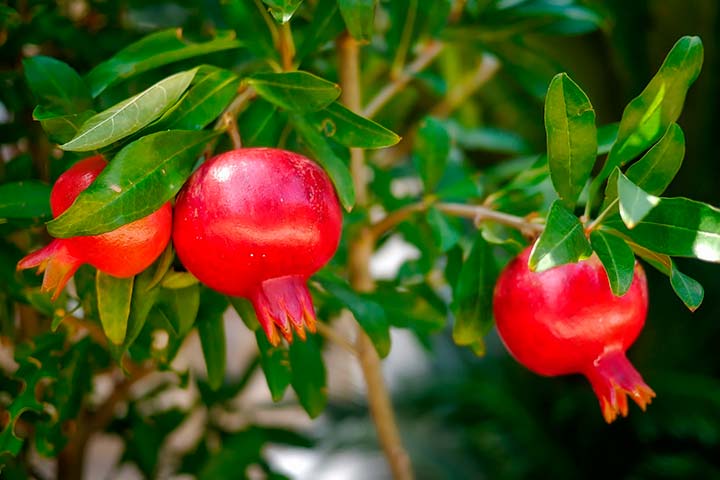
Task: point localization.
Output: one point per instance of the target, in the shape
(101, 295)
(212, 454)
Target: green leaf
(326, 24)
(282, 10)
(26, 199)
(63, 128)
(57, 86)
(275, 363)
(617, 258)
(141, 178)
(688, 289)
(211, 329)
(350, 129)
(246, 311)
(261, 124)
(571, 137)
(359, 16)
(173, 279)
(297, 91)
(563, 241)
(180, 307)
(368, 313)
(445, 235)
(307, 375)
(155, 50)
(113, 298)
(607, 135)
(678, 227)
(489, 139)
(472, 296)
(144, 296)
(431, 151)
(635, 203)
(211, 92)
(323, 153)
(649, 115)
(129, 116)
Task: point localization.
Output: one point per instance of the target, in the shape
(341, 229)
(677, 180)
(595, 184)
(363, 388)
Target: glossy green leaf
(634, 202)
(57, 86)
(275, 363)
(445, 235)
(489, 139)
(563, 241)
(431, 151)
(607, 135)
(648, 116)
(212, 91)
(129, 116)
(113, 298)
(297, 91)
(63, 128)
(472, 296)
(180, 308)
(368, 313)
(688, 289)
(571, 137)
(140, 179)
(323, 153)
(248, 21)
(246, 311)
(261, 124)
(211, 330)
(326, 24)
(26, 199)
(144, 296)
(617, 258)
(157, 49)
(359, 16)
(307, 375)
(350, 129)
(282, 10)
(678, 227)
(173, 279)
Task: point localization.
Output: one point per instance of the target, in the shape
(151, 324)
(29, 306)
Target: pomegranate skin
(567, 320)
(123, 252)
(256, 223)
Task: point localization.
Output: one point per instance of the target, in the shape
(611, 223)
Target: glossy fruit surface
(256, 223)
(123, 252)
(567, 320)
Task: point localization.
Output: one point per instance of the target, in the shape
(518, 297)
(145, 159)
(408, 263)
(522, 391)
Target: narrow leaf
(141, 178)
(472, 296)
(211, 330)
(307, 376)
(144, 297)
(617, 258)
(298, 91)
(350, 129)
(563, 241)
(275, 363)
(180, 307)
(359, 16)
(323, 153)
(155, 50)
(63, 128)
(282, 10)
(26, 199)
(57, 86)
(326, 24)
(131, 115)
(113, 299)
(431, 151)
(688, 289)
(571, 137)
(635, 203)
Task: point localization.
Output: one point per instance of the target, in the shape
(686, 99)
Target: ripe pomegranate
(567, 320)
(123, 252)
(256, 223)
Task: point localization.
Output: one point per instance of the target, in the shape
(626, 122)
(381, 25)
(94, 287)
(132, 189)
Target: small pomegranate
(567, 320)
(256, 223)
(123, 252)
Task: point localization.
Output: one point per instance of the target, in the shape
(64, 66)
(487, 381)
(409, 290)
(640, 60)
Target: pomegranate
(256, 223)
(123, 252)
(567, 320)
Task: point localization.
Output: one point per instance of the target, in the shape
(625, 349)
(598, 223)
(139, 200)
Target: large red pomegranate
(123, 252)
(256, 223)
(567, 320)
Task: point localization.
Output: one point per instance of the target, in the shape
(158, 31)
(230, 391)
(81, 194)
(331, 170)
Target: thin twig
(485, 70)
(603, 215)
(424, 59)
(286, 47)
(379, 228)
(480, 213)
(328, 332)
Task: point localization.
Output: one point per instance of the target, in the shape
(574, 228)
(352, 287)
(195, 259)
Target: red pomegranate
(256, 223)
(123, 252)
(567, 320)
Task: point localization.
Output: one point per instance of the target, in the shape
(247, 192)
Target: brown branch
(286, 47)
(328, 332)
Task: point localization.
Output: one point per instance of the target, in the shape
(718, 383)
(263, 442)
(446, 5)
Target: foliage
(452, 130)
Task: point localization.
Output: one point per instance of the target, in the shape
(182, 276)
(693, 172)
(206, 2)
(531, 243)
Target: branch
(328, 332)
(424, 59)
(489, 65)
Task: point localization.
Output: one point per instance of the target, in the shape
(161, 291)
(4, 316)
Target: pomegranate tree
(256, 223)
(123, 252)
(567, 320)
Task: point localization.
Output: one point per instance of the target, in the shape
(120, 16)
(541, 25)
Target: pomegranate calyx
(284, 303)
(56, 261)
(613, 378)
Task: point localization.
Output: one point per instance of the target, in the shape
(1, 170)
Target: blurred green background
(467, 417)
